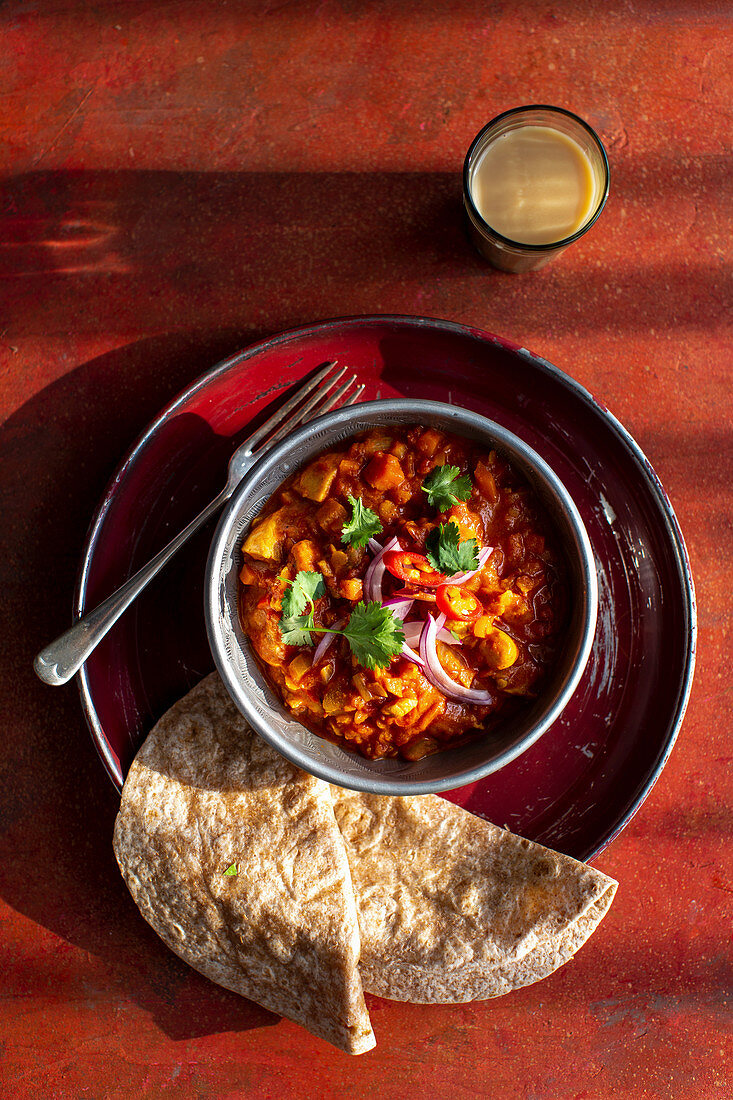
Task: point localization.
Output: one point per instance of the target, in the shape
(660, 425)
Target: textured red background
(180, 179)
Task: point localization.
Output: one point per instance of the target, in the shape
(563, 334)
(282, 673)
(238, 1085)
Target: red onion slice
(325, 642)
(374, 546)
(411, 655)
(437, 675)
(414, 630)
(483, 556)
(373, 576)
(399, 607)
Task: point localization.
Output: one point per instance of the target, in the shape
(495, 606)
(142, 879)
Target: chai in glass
(535, 180)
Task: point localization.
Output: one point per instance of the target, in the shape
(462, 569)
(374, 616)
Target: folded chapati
(441, 905)
(204, 795)
(452, 908)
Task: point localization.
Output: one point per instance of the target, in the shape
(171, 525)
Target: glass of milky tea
(534, 180)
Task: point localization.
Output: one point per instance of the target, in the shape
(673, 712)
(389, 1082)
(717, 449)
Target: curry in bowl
(405, 594)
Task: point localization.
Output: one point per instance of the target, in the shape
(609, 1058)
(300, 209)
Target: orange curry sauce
(509, 649)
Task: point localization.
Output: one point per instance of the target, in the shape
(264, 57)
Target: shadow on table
(128, 251)
(140, 251)
(57, 806)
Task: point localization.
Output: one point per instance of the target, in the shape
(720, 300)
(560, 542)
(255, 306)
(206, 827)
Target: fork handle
(60, 660)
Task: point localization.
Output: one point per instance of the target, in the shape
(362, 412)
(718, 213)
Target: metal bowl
(241, 673)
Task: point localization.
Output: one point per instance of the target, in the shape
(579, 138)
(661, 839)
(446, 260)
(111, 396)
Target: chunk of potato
(394, 685)
(429, 441)
(349, 467)
(486, 482)
(296, 671)
(265, 540)
(401, 707)
(317, 479)
(468, 523)
(377, 441)
(499, 650)
(510, 606)
(331, 516)
(247, 574)
(305, 554)
(351, 589)
(454, 665)
(334, 701)
(383, 471)
(267, 639)
(387, 511)
(339, 560)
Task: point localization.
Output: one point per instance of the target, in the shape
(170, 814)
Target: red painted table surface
(181, 179)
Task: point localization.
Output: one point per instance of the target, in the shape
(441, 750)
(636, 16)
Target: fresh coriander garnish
(445, 487)
(296, 629)
(362, 526)
(295, 626)
(306, 588)
(374, 634)
(447, 553)
(232, 869)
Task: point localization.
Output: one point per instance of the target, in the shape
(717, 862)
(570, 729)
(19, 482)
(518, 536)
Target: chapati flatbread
(452, 908)
(204, 793)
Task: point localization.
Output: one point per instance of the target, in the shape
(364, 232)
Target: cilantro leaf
(306, 588)
(232, 869)
(296, 629)
(374, 634)
(296, 623)
(447, 553)
(445, 488)
(362, 526)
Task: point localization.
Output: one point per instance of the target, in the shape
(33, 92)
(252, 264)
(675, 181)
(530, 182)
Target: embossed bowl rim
(250, 691)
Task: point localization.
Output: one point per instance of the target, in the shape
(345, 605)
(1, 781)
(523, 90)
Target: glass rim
(481, 222)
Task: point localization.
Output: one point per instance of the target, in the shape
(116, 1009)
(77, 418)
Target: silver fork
(63, 658)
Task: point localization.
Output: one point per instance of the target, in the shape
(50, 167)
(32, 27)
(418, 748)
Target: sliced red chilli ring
(412, 568)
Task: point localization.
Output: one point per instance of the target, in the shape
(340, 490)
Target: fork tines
(319, 400)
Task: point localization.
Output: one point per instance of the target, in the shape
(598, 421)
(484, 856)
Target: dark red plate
(582, 781)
